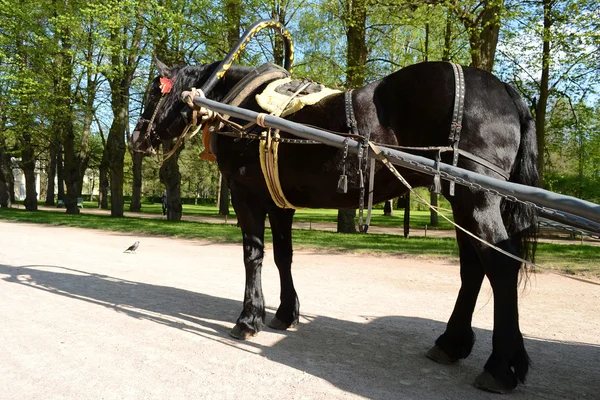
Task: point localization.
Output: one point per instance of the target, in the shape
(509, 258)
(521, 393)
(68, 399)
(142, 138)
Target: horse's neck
(231, 78)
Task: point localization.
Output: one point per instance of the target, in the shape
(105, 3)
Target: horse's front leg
(289, 308)
(251, 218)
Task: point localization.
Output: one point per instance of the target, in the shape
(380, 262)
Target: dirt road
(79, 319)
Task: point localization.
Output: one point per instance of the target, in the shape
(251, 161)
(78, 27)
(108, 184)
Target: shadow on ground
(379, 359)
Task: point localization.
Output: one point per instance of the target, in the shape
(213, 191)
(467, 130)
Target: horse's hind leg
(457, 341)
(251, 218)
(289, 308)
(508, 364)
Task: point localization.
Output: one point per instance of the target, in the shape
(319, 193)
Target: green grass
(418, 219)
(573, 259)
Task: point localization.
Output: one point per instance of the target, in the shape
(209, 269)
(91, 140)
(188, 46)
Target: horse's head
(164, 115)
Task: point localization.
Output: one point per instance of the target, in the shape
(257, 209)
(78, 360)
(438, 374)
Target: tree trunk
(63, 118)
(4, 194)
(407, 216)
(88, 116)
(356, 61)
(123, 58)
(434, 217)
(447, 38)
(171, 178)
(233, 14)
(51, 176)
(136, 193)
(71, 168)
(83, 159)
(6, 177)
(388, 209)
(60, 176)
(5, 200)
(233, 10)
(115, 144)
(278, 13)
(103, 182)
(28, 167)
(345, 221)
(356, 52)
(542, 103)
(223, 196)
(483, 31)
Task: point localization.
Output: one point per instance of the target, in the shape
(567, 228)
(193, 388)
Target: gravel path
(79, 319)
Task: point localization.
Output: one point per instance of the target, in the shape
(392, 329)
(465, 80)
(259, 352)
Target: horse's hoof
(278, 324)
(485, 381)
(241, 334)
(438, 355)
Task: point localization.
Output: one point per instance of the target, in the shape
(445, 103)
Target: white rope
(393, 169)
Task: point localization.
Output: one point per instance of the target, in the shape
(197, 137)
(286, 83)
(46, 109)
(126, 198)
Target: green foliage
(102, 34)
(573, 143)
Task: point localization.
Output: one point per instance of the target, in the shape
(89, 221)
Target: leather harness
(270, 139)
(457, 115)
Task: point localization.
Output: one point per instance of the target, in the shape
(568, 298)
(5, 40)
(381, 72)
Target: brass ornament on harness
(269, 153)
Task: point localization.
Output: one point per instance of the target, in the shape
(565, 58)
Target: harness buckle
(342, 186)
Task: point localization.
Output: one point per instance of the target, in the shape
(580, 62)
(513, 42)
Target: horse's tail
(521, 219)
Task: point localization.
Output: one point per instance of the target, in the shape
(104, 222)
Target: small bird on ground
(133, 247)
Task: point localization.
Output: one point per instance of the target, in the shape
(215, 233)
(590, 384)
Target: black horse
(411, 107)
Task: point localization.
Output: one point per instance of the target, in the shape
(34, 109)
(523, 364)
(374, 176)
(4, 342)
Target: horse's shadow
(380, 358)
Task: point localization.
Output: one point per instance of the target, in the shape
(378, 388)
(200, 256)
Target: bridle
(166, 85)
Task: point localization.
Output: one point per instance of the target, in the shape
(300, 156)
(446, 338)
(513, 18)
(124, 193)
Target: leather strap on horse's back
(457, 115)
(362, 165)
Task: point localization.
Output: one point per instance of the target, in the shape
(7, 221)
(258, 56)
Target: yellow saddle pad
(278, 93)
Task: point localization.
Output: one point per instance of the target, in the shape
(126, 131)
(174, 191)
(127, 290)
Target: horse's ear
(162, 68)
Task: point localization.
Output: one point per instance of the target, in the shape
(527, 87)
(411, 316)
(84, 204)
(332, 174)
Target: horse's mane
(186, 77)
(194, 76)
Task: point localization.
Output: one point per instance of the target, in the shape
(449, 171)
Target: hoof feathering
(485, 381)
(241, 334)
(438, 355)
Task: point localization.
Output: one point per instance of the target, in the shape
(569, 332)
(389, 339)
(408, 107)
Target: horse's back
(417, 103)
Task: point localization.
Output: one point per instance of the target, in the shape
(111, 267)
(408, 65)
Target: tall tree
(51, 174)
(356, 67)
(125, 32)
(541, 105)
(233, 15)
(90, 58)
(62, 118)
(553, 54)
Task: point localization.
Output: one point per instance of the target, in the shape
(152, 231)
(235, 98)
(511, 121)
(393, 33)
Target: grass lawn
(573, 259)
(418, 219)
